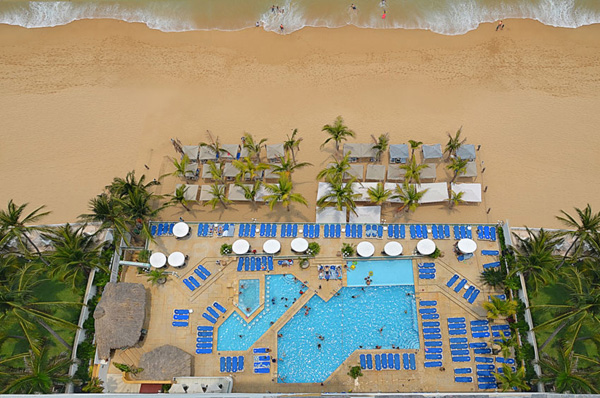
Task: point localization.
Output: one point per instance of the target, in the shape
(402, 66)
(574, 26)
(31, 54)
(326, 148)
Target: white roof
(428, 172)
(470, 170)
(206, 192)
(236, 193)
(323, 189)
(360, 150)
(190, 169)
(230, 171)
(329, 215)
(375, 172)
(392, 187)
(270, 174)
(191, 192)
(191, 151)
(433, 151)
(362, 189)
(436, 192)
(395, 173)
(230, 151)
(355, 170)
(472, 192)
(207, 153)
(366, 215)
(275, 151)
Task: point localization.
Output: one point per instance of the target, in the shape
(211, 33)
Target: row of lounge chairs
(426, 270)
(205, 229)
(388, 361)
(268, 230)
(332, 230)
(311, 230)
(181, 317)
(191, 282)
(255, 263)
(204, 340)
(262, 361)
(162, 229)
(354, 231)
(485, 232)
(458, 345)
(396, 231)
(470, 294)
(431, 333)
(247, 231)
(418, 231)
(480, 330)
(211, 315)
(289, 230)
(463, 232)
(233, 364)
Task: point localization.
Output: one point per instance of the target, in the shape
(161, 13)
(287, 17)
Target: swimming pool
(384, 272)
(236, 334)
(249, 297)
(371, 316)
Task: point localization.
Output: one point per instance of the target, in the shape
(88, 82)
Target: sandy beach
(89, 101)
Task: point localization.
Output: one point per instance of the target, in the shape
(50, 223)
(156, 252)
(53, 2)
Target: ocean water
(449, 17)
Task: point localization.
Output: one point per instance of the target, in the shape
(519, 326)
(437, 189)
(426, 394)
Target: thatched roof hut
(165, 363)
(119, 317)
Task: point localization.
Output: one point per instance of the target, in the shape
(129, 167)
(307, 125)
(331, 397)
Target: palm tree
(216, 171)
(74, 254)
(180, 167)
(507, 343)
(381, 145)
(179, 197)
(409, 196)
(562, 373)
(214, 145)
(107, 211)
(454, 143)
(121, 187)
(509, 380)
(282, 192)
(251, 191)
(41, 373)
(338, 132)
(497, 307)
(157, 277)
(137, 209)
(458, 166)
(253, 147)
(292, 144)
(379, 194)
(455, 198)
(535, 258)
(248, 169)
(336, 169)
(218, 196)
(493, 277)
(288, 166)
(585, 228)
(413, 171)
(414, 145)
(340, 195)
(95, 385)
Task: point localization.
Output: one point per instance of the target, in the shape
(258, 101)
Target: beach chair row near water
(162, 229)
(431, 333)
(255, 263)
(233, 364)
(396, 231)
(181, 317)
(211, 315)
(204, 339)
(191, 282)
(470, 294)
(388, 361)
(426, 270)
(311, 230)
(289, 230)
(332, 230)
(262, 363)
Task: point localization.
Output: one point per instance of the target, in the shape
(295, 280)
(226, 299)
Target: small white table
(176, 259)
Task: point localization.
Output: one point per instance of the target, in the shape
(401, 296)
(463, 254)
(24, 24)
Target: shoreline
(70, 90)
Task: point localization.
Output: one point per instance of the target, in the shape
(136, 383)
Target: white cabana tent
(433, 151)
(206, 154)
(206, 170)
(375, 172)
(191, 171)
(362, 189)
(236, 193)
(329, 215)
(191, 192)
(395, 173)
(244, 152)
(230, 171)
(472, 192)
(323, 189)
(355, 170)
(206, 192)
(269, 174)
(366, 215)
(436, 192)
(229, 151)
(392, 187)
(470, 170)
(398, 153)
(429, 172)
(466, 151)
(360, 151)
(191, 151)
(274, 152)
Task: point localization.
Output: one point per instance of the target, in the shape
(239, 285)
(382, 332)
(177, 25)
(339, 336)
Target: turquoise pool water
(356, 318)
(236, 334)
(385, 272)
(249, 297)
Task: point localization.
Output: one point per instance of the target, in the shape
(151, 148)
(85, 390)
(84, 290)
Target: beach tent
(323, 189)
(432, 151)
(191, 151)
(470, 170)
(206, 192)
(236, 193)
(274, 152)
(436, 192)
(392, 187)
(355, 170)
(398, 153)
(244, 152)
(466, 151)
(269, 174)
(191, 171)
(230, 171)
(429, 172)
(395, 173)
(329, 215)
(229, 151)
(362, 188)
(191, 192)
(366, 215)
(206, 154)
(375, 172)
(360, 151)
(472, 192)
(206, 170)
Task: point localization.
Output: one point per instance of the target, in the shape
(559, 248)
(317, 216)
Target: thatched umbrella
(165, 363)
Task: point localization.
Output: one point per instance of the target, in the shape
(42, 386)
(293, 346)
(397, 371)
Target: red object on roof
(150, 388)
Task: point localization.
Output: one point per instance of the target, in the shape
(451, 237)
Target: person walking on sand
(500, 26)
(281, 28)
(353, 7)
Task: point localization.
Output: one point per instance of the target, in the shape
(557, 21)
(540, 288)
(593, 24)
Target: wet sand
(85, 102)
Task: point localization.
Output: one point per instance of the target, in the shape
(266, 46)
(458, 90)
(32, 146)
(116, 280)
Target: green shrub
(313, 249)
(143, 256)
(226, 249)
(89, 324)
(82, 374)
(347, 249)
(86, 351)
(355, 372)
(101, 279)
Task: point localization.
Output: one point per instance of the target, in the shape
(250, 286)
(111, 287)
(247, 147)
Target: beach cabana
(192, 171)
(429, 172)
(392, 187)
(395, 173)
(230, 171)
(269, 174)
(375, 172)
(206, 153)
(236, 193)
(330, 215)
(191, 192)
(165, 363)
(466, 151)
(244, 152)
(206, 192)
(399, 153)
(355, 170)
(362, 189)
(119, 317)
(191, 151)
(229, 151)
(275, 152)
(472, 192)
(470, 170)
(360, 151)
(366, 215)
(433, 151)
(436, 192)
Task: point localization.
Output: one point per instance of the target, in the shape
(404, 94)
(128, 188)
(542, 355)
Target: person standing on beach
(353, 7)
(281, 28)
(500, 26)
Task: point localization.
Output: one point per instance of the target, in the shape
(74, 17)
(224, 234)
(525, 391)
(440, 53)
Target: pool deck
(222, 286)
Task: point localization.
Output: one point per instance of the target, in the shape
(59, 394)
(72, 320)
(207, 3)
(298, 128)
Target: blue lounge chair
(273, 230)
(326, 231)
(457, 325)
(486, 379)
(204, 339)
(500, 327)
(427, 311)
(490, 252)
(270, 263)
(427, 265)
(499, 334)
(246, 263)
(435, 336)
(485, 367)
(434, 232)
(487, 386)
(430, 316)
(427, 270)
(456, 232)
(205, 334)
(491, 265)
(396, 361)
(391, 229)
(484, 359)
(363, 360)
(209, 318)
(219, 307)
(435, 350)
(260, 351)
(436, 364)
(447, 231)
(477, 345)
(481, 335)
(262, 230)
(180, 312)
(338, 231)
(486, 232)
(433, 344)
(400, 232)
(461, 359)
(242, 231)
(433, 356)
(431, 330)
(228, 360)
(240, 264)
(377, 362)
(252, 263)
(369, 361)
(406, 361)
(159, 230)
(180, 324)
(153, 229)
(464, 379)
(181, 317)
(462, 371)
(205, 328)
(368, 230)
(457, 332)
(203, 351)
(241, 363)
(431, 324)
(459, 353)
(222, 366)
(458, 339)
(384, 364)
(200, 274)
(189, 285)
(424, 231)
(234, 364)
(426, 276)
(258, 264)
(253, 230)
(262, 370)
(493, 234)
(480, 322)
(468, 292)
(413, 362)
(284, 230)
(452, 280)
(463, 232)
(482, 351)
(203, 270)
(459, 346)
(194, 281)
(419, 231)
(359, 231)
(460, 285)
(474, 296)
(380, 231)
(413, 232)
